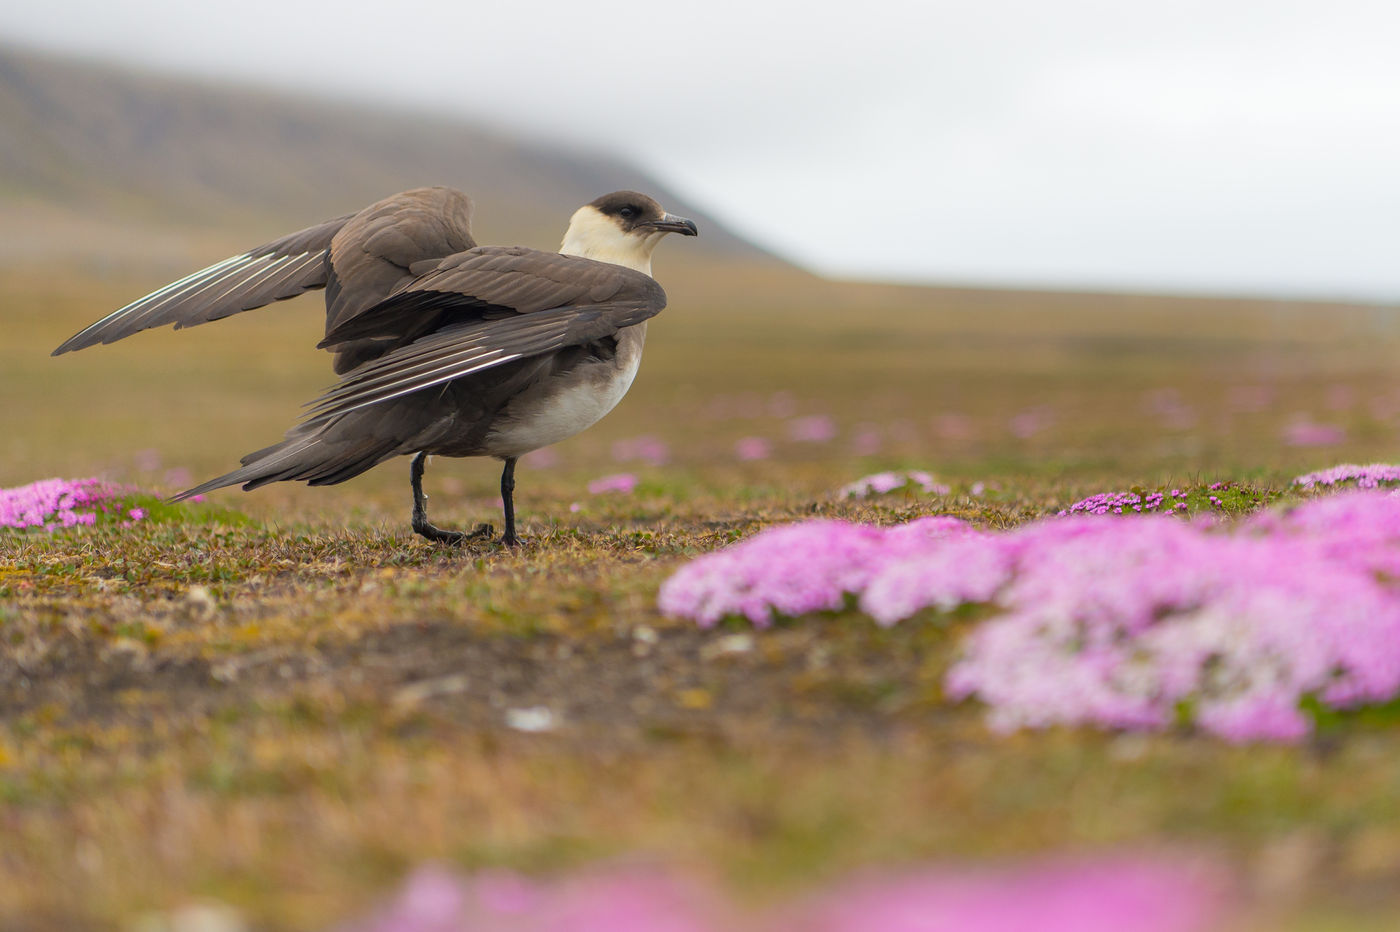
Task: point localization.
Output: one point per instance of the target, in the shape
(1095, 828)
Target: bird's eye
(627, 213)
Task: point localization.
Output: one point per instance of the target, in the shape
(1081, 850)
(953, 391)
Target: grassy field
(284, 701)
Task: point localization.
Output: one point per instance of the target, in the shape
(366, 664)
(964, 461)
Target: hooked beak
(670, 223)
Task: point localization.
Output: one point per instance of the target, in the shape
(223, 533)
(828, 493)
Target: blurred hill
(97, 161)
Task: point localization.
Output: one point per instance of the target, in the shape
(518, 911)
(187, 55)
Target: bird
(442, 346)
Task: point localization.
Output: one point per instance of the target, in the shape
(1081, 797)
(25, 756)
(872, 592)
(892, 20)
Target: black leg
(508, 502)
(421, 524)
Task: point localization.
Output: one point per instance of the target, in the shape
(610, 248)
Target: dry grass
(287, 712)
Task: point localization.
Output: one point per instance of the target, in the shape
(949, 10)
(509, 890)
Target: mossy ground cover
(283, 700)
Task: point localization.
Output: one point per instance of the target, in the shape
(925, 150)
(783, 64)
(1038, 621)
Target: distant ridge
(99, 143)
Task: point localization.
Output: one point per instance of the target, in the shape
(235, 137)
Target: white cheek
(594, 236)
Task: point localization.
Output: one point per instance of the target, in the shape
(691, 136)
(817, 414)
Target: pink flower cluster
(793, 570)
(1122, 502)
(1142, 894)
(1365, 477)
(814, 428)
(1124, 623)
(752, 448)
(59, 503)
(881, 483)
(1304, 432)
(623, 482)
(1132, 624)
(648, 449)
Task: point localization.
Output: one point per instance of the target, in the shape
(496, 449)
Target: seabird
(443, 346)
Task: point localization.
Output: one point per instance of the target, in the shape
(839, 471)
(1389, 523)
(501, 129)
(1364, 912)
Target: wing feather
(449, 354)
(493, 282)
(281, 269)
(464, 349)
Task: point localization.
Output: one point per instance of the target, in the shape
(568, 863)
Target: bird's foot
(451, 538)
(438, 535)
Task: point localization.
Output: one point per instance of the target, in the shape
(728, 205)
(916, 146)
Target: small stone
(225, 672)
(643, 639)
(422, 690)
(728, 645)
(198, 917)
(533, 720)
(200, 603)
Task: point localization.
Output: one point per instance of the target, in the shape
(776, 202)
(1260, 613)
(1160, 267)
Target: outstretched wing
(488, 306)
(283, 268)
(359, 259)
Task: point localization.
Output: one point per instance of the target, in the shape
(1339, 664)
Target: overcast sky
(1246, 146)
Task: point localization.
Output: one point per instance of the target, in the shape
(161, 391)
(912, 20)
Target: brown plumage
(444, 346)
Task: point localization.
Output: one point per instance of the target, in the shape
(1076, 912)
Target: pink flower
(1365, 477)
(1103, 894)
(817, 428)
(1121, 623)
(623, 482)
(1118, 622)
(1302, 432)
(1116, 502)
(791, 571)
(56, 503)
(881, 483)
(136, 514)
(753, 448)
(966, 568)
(648, 449)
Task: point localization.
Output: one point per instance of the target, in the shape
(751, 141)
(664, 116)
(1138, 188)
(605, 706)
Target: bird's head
(622, 228)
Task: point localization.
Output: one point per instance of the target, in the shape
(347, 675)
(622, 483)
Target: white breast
(560, 408)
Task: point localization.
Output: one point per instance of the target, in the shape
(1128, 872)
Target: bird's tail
(317, 454)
